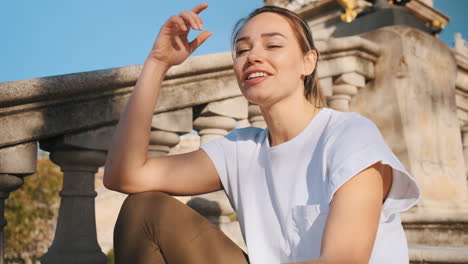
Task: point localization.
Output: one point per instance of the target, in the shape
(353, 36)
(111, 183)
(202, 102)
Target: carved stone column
(344, 88)
(16, 162)
(166, 128)
(75, 238)
(256, 117)
(218, 118)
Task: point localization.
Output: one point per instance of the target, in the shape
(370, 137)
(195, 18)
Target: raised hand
(172, 46)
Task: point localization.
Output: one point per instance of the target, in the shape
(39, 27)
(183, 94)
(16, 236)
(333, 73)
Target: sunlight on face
(269, 63)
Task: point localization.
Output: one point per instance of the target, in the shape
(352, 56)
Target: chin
(255, 96)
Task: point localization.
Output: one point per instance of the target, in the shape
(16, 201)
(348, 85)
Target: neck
(288, 118)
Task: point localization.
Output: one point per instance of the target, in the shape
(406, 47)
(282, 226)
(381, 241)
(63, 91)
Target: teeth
(255, 75)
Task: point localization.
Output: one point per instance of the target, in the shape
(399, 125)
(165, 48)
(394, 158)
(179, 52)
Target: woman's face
(269, 63)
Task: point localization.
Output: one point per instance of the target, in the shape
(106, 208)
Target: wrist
(156, 65)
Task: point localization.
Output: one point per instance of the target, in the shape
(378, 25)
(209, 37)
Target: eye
(240, 51)
(274, 46)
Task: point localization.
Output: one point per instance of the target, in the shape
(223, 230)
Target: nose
(255, 55)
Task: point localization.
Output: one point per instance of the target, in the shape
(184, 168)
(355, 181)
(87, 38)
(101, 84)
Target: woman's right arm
(127, 167)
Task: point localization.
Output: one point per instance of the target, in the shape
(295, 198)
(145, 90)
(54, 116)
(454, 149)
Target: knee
(145, 202)
(147, 205)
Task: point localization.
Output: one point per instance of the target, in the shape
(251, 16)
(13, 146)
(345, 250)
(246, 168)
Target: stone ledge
(420, 254)
(437, 229)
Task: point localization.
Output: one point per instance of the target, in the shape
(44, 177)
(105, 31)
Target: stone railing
(73, 117)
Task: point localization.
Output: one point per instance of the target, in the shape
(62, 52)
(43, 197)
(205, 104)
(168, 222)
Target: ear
(310, 62)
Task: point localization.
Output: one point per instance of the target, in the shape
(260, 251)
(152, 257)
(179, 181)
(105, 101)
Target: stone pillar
(344, 88)
(79, 157)
(412, 101)
(218, 118)
(16, 162)
(166, 128)
(256, 117)
(75, 238)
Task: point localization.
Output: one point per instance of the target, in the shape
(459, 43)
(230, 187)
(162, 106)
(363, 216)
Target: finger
(190, 19)
(179, 22)
(200, 8)
(198, 19)
(202, 37)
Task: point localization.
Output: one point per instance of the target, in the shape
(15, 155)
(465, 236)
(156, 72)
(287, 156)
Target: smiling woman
(274, 40)
(315, 186)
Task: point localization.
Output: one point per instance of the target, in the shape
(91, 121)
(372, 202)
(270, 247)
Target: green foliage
(30, 212)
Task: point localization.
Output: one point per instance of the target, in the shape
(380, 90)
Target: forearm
(128, 151)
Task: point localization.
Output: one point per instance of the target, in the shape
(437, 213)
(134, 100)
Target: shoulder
(350, 126)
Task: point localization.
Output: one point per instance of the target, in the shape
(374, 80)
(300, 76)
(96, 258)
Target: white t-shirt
(282, 194)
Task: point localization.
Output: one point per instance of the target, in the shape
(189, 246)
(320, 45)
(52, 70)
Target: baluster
(344, 88)
(166, 128)
(217, 118)
(16, 162)
(326, 85)
(75, 238)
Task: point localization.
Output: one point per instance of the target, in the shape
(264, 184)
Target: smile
(256, 75)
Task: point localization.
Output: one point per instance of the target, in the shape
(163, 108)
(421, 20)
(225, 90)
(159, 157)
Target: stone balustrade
(74, 116)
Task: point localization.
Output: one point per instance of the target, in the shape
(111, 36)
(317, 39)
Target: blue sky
(52, 37)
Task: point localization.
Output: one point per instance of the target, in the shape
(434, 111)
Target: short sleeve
(216, 151)
(356, 145)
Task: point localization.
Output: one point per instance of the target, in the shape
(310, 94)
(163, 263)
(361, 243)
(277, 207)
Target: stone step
(441, 229)
(422, 254)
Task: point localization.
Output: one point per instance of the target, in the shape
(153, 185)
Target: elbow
(108, 181)
(111, 181)
(115, 182)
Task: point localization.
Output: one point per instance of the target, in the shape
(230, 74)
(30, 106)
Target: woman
(316, 186)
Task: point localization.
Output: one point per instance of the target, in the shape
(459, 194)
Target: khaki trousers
(154, 227)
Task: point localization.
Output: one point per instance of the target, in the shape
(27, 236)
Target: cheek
(237, 67)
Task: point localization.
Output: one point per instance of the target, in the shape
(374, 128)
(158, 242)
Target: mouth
(254, 77)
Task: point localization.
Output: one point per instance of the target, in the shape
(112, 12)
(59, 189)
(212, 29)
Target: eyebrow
(270, 34)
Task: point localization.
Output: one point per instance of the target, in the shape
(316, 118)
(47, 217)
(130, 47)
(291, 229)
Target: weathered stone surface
(347, 55)
(414, 106)
(421, 254)
(344, 89)
(99, 138)
(165, 138)
(179, 121)
(339, 102)
(435, 229)
(351, 78)
(222, 122)
(326, 85)
(19, 159)
(233, 107)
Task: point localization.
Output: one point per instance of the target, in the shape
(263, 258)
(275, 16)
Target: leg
(154, 227)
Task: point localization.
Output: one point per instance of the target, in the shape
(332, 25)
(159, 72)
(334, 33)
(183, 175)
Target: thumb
(202, 37)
